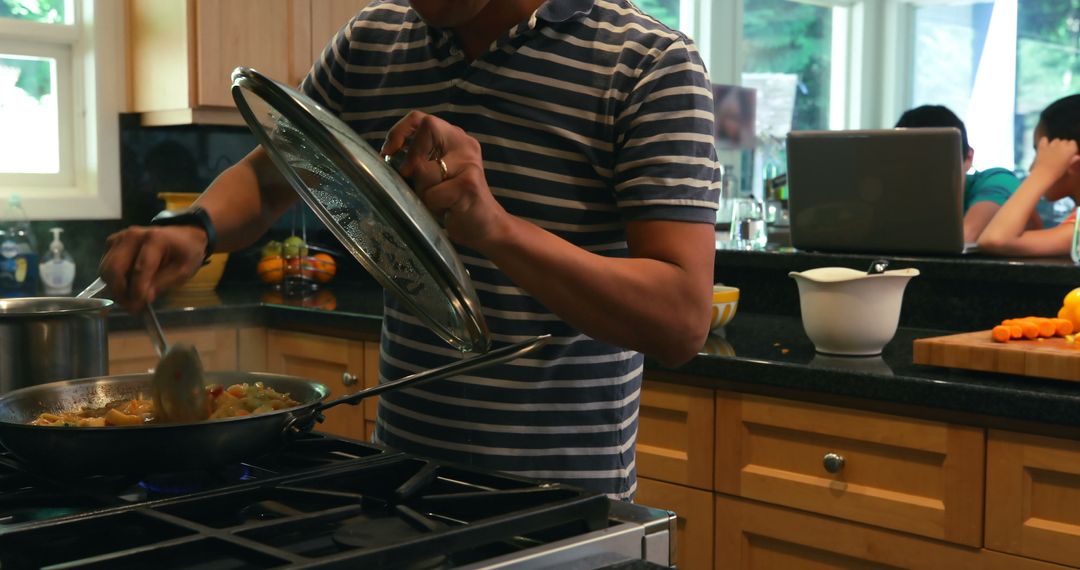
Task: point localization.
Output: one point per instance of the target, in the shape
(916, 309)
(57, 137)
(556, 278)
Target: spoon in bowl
(877, 266)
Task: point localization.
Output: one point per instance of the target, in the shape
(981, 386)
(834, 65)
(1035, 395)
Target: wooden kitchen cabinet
(370, 379)
(756, 536)
(694, 509)
(1033, 496)
(675, 434)
(182, 52)
(911, 475)
(130, 352)
(326, 360)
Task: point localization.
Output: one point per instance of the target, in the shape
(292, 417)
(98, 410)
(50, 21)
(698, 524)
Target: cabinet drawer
(322, 359)
(905, 474)
(1033, 496)
(130, 352)
(756, 536)
(675, 434)
(694, 509)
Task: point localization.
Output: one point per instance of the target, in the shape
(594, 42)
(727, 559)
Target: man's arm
(1006, 234)
(245, 200)
(976, 218)
(242, 204)
(656, 301)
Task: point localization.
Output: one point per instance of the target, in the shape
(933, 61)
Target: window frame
(88, 186)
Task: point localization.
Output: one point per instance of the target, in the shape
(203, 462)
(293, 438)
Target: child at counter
(1055, 174)
(985, 191)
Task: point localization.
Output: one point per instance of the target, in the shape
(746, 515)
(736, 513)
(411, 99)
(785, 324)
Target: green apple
(271, 249)
(294, 246)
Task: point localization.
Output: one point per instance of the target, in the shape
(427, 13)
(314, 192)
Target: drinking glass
(1074, 251)
(728, 185)
(747, 224)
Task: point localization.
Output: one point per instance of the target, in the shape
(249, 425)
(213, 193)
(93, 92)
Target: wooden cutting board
(1048, 358)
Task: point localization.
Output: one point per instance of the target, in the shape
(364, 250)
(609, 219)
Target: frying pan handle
(301, 423)
(496, 356)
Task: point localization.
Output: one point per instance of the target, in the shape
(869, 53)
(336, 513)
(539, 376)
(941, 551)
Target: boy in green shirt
(985, 191)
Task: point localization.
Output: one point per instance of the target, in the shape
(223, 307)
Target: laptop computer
(877, 191)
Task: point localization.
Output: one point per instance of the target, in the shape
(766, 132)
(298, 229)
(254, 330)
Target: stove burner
(373, 531)
(368, 532)
(332, 502)
(160, 485)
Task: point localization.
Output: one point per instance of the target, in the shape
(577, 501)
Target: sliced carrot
(1016, 331)
(1063, 326)
(1030, 330)
(1047, 328)
(1001, 333)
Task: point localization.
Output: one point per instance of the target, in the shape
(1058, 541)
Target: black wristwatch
(193, 216)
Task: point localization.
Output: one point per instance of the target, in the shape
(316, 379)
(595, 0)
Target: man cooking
(567, 147)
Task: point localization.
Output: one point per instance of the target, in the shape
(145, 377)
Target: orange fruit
(1071, 313)
(1072, 298)
(271, 269)
(322, 267)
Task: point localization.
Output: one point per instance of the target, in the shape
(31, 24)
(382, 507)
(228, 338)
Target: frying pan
(154, 448)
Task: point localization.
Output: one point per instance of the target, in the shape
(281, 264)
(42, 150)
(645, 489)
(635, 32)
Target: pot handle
(300, 423)
(496, 356)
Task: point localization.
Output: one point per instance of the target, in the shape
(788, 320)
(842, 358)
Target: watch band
(193, 216)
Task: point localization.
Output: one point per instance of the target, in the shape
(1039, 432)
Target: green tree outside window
(667, 11)
(35, 74)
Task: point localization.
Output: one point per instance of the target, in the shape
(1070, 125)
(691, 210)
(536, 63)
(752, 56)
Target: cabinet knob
(349, 379)
(833, 462)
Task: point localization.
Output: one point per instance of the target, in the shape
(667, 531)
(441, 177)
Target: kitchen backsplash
(176, 159)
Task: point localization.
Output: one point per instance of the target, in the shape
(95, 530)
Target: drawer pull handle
(349, 379)
(833, 462)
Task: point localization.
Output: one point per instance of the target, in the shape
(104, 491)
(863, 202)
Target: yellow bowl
(208, 276)
(725, 301)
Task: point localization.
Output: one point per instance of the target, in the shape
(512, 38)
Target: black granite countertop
(758, 353)
(771, 355)
(345, 310)
(959, 293)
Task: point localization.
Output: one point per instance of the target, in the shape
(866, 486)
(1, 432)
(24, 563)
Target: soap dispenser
(58, 269)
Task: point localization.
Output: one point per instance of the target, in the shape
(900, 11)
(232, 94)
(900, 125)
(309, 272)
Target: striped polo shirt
(589, 114)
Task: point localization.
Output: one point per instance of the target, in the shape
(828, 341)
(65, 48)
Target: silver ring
(442, 167)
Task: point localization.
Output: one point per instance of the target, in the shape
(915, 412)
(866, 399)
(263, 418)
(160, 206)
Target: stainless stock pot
(44, 339)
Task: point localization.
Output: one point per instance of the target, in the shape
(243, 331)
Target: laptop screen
(887, 191)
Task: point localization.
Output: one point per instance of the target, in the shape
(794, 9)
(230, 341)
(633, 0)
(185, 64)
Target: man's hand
(460, 196)
(140, 262)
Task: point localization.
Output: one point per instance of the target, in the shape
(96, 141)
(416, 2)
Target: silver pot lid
(366, 204)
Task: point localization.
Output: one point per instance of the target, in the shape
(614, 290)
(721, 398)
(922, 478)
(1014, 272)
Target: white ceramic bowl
(848, 312)
(725, 301)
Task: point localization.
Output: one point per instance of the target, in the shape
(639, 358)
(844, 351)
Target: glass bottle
(18, 252)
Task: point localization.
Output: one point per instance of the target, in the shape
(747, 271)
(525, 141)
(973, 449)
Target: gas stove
(323, 502)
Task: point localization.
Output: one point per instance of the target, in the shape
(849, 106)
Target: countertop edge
(975, 398)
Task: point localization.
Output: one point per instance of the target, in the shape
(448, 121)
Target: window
(60, 89)
(786, 50)
(1047, 64)
(1006, 61)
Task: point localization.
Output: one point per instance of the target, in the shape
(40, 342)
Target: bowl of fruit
(295, 261)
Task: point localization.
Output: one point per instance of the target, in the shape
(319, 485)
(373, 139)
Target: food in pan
(236, 400)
